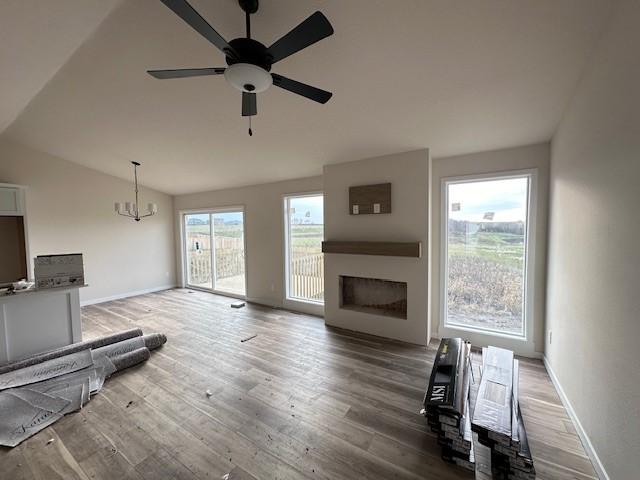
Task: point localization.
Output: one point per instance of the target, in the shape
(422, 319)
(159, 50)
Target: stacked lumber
(497, 418)
(446, 403)
(37, 391)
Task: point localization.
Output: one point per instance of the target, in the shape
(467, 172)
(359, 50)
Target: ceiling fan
(249, 61)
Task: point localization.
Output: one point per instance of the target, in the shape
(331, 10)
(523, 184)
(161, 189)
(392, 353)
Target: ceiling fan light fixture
(247, 77)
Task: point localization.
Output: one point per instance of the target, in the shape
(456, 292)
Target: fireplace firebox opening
(373, 295)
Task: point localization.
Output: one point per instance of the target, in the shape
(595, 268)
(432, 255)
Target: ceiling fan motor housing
(249, 71)
(250, 51)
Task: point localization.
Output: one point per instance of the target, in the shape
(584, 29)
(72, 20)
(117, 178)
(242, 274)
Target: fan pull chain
(250, 131)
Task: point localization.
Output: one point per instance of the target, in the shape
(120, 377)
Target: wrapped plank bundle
(497, 418)
(446, 402)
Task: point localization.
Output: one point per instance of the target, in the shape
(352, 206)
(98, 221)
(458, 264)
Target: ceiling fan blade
(312, 30)
(249, 104)
(185, 72)
(312, 93)
(187, 13)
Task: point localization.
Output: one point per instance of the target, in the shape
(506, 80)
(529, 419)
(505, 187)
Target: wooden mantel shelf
(389, 249)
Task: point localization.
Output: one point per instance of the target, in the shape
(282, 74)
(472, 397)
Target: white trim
(75, 316)
(302, 306)
(4, 346)
(586, 442)
(22, 212)
(217, 292)
(94, 301)
(521, 344)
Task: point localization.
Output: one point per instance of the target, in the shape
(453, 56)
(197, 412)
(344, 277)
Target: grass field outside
(485, 280)
(307, 238)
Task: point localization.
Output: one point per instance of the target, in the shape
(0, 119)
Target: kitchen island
(37, 320)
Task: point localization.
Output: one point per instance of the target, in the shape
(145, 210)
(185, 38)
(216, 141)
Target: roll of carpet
(130, 359)
(151, 341)
(76, 347)
(154, 340)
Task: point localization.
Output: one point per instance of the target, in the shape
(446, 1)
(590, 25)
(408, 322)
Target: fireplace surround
(398, 312)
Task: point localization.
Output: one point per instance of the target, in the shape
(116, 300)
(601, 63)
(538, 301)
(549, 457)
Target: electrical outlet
(376, 208)
(550, 336)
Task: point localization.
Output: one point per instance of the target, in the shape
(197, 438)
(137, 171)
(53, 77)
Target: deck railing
(307, 276)
(306, 279)
(200, 267)
(229, 263)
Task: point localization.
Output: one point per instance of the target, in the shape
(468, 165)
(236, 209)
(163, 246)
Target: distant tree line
(467, 227)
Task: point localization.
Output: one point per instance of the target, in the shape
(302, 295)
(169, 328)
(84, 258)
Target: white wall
(70, 209)
(520, 158)
(593, 291)
(408, 222)
(264, 230)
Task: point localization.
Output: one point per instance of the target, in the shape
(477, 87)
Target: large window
(304, 231)
(216, 265)
(485, 253)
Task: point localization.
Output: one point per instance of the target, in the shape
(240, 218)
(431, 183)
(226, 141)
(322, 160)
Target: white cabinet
(11, 200)
(37, 321)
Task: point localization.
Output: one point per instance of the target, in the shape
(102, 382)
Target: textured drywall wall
(70, 210)
(593, 300)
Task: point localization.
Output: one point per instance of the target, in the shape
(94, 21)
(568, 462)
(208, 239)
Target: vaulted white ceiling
(36, 38)
(454, 76)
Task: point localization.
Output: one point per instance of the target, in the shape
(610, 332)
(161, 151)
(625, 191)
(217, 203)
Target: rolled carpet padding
(19, 419)
(152, 341)
(46, 370)
(36, 396)
(130, 359)
(76, 347)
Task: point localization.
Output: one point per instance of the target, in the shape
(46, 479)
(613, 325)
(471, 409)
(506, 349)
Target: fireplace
(372, 295)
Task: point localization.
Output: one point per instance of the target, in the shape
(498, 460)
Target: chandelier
(131, 210)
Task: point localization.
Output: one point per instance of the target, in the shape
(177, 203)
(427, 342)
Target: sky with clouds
(472, 201)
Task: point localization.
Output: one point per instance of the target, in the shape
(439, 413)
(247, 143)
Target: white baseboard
(586, 442)
(94, 301)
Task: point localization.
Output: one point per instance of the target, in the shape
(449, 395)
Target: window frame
(478, 335)
(296, 303)
(183, 240)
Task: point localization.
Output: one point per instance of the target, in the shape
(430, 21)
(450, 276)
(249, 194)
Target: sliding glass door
(214, 251)
(304, 232)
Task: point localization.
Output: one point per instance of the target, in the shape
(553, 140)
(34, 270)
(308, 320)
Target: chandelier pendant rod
(135, 177)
